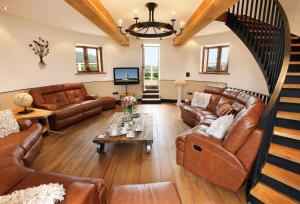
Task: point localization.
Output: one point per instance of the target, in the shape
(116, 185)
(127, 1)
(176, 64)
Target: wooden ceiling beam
(94, 11)
(208, 11)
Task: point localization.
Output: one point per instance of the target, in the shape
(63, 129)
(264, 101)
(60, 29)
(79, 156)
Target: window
(89, 59)
(215, 59)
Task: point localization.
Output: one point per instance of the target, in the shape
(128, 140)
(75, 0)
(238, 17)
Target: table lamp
(23, 100)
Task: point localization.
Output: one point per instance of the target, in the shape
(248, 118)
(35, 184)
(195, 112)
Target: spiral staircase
(263, 27)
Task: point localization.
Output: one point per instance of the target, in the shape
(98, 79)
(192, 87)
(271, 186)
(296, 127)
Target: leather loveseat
(14, 175)
(224, 162)
(69, 102)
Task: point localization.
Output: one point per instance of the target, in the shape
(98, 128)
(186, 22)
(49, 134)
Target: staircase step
(291, 86)
(284, 176)
(288, 115)
(290, 100)
(270, 196)
(295, 44)
(293, 74)
(287, 153)
(294, 62)
(295, 53)
(294, 38)
(288, 133)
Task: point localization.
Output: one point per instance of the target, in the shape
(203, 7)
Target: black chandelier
(151, 28)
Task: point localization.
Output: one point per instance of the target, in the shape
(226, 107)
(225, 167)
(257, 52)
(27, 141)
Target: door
(151, 58)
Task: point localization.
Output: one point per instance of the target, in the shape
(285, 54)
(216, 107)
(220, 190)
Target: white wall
(19, 66)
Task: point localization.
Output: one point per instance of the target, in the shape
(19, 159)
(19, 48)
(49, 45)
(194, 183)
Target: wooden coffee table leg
(100, 148)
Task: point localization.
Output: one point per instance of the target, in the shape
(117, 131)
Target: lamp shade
(180, 82)
(23, 99)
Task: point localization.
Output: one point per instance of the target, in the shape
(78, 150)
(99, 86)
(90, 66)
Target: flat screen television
(126, 75)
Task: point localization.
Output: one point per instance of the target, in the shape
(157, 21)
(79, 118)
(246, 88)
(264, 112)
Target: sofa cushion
(214, 100)
(224, 109)
(245, 123)
(57, 98)
(90, 104)
(75, 95)
(67, 111)
(190, 110)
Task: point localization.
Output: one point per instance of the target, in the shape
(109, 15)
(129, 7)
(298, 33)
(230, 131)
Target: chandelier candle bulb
(120, 22)
(181, 24)
(173, 15)
(135, 13)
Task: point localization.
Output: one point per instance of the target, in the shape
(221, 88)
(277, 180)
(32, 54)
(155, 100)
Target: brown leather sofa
(29, 139)
(15, 176)
(225, 162)
(69, 102)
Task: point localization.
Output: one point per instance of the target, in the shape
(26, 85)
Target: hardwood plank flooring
(73, 152)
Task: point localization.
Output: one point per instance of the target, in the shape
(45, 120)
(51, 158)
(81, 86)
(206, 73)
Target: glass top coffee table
(143, 135)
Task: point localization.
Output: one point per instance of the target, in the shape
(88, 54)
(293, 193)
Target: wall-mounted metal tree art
(40, 47)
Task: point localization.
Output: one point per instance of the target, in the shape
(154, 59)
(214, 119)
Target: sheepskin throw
(219, 127)
(43, 194)
(8, 123)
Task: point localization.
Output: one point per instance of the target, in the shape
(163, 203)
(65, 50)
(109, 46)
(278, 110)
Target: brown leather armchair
(225, 162)
(15, 176)
(69, 102)
(29, 139)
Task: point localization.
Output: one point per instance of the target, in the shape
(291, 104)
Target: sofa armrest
(91, 97)
(206, 157)
(47, 106)
(84, 192)
(24, 124)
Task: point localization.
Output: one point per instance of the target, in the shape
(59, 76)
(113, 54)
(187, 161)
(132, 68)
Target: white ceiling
(59, 14)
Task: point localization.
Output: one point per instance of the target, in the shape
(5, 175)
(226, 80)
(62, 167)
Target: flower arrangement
(128, 103)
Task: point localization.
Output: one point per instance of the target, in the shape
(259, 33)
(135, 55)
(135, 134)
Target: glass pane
(151, 61)
(224, 58)
(212, 59)
(92, 59)
(80, 59)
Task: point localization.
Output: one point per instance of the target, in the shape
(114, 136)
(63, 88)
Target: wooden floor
(73, 152)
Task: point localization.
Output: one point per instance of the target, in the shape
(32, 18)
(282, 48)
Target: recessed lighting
(4, 8)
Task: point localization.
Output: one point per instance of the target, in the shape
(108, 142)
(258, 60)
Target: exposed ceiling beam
(97, 14)
(208, 11)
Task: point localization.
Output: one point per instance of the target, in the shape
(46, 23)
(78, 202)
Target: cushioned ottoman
(108, 102)
(153, 193)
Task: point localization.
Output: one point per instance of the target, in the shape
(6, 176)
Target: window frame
(219, 56)
(86, 60)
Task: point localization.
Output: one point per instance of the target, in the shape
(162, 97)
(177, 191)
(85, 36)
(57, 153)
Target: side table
(36, 115)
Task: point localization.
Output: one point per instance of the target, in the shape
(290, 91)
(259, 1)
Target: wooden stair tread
(288, 115)
(290, 100)
(295, 53)
(295, 45)
(286, 132)
(294, 62)
(284, 176)
(294, 38)
(284, 152)
(291, 86)
(293, 74)
(269, 195)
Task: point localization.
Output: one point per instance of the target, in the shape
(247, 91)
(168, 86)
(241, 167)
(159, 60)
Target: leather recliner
(15, 176)
(225, 162)
(69, 102)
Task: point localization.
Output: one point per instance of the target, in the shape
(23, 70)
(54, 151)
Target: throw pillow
(224, 109)
(200, 99)
(219, 127)
(43, 194)
(8, 123)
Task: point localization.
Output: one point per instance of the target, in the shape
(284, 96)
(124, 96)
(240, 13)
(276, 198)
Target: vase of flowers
(128, 103)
